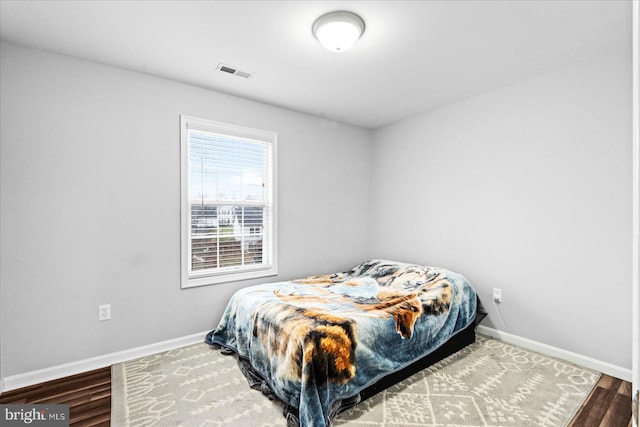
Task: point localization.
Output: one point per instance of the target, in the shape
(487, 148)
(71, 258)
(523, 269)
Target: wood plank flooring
(608, 405)
(89, 398)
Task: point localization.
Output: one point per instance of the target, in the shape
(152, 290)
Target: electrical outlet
(497, 295)
(104, 312)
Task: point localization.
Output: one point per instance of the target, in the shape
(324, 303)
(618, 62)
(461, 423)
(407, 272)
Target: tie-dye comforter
(317, 342)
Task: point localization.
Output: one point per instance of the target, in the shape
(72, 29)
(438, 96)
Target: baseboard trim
(547, 350)
(35, 377)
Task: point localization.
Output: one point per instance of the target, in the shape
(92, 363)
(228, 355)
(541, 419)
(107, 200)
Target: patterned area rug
(489, 383)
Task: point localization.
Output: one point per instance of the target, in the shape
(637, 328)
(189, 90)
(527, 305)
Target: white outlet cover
(104, 312)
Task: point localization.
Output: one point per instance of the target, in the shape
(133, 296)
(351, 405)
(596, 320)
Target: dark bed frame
(456, 343)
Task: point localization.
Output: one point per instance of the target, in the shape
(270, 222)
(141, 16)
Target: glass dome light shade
(338, 31)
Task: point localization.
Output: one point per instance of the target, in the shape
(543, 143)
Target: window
(228, 202)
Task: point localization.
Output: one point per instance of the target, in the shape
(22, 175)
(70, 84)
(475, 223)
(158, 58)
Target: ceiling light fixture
(338, 31)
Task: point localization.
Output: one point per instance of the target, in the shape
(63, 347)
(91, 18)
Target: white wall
(635, 361)
(90, 206)
(526, 188)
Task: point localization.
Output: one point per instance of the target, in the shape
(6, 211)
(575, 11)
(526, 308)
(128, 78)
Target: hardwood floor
(608, 405)
(89, 398)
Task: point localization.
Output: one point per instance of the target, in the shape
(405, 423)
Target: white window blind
(228, 202)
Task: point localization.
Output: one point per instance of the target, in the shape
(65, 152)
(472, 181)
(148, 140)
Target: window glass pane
(229, 198)
(226, 236)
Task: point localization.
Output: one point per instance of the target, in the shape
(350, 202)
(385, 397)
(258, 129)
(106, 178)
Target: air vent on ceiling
(233, 70)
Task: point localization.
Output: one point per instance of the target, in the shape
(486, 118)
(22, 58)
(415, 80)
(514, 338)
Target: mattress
(320, 342)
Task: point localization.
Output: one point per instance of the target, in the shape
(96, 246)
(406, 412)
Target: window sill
(216, 279)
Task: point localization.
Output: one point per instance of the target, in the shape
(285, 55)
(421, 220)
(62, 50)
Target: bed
(324, 343)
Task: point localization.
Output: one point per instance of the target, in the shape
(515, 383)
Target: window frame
(188, 278)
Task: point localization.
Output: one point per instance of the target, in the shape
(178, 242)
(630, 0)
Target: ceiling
(413, 56)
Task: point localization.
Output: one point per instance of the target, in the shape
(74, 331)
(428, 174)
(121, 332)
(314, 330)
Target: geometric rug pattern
(489, 383)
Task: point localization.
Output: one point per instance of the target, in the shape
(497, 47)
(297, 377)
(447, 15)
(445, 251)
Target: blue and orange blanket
(317, 342)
